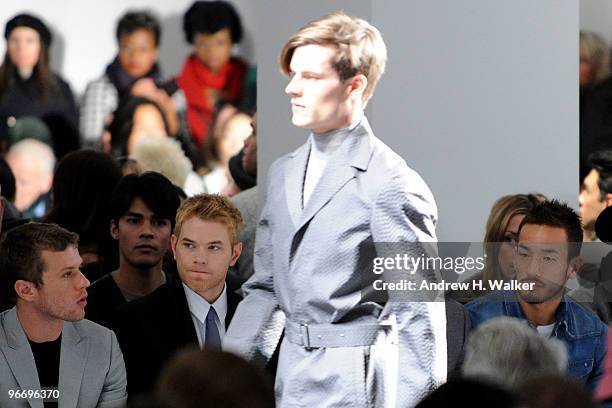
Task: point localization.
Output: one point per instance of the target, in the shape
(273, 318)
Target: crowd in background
(142, 141)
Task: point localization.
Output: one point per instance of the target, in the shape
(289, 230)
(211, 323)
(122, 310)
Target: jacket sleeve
(403, 222)
(99, 101)
(258, 323)
(114, 394)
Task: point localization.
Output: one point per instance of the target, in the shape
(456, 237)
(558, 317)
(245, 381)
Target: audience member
(44, 339)
(466, 393)
(135, 118)
(222, 146)
(142, 211)
(210, 73)
(243, 171)
(596, 191)
(501, 231)
(549, 241)
(509, 353)
(28, 87)
(94, 175)
(213, 378)
(594, 59)
(33, 163)
(165, 156)
(133, 72)
(556, 392)
(193, 310)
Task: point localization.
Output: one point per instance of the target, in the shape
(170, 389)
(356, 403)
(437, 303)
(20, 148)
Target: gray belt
(332, 335)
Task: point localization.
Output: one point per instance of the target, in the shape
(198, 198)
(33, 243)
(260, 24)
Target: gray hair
(163, 155)
(507, 352)
(40, 153)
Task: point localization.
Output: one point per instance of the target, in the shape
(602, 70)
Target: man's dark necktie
(213, 340)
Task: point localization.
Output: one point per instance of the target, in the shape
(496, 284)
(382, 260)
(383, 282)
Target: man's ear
(114, 230)
(173, 241)
(26, 290)
(574, 267)
(236, 251)
(358, 84)
(608, 199)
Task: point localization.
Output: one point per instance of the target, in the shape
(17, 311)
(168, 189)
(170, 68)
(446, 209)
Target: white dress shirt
(198, 306)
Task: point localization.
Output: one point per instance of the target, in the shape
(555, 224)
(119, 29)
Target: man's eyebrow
(185, 239)
(132, 214)
(551, 250)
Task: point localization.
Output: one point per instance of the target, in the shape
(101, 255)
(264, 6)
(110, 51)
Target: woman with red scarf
(210, 74)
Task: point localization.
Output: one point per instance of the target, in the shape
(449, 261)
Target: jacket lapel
(294, 181)
(19, 357)
(72, 365)
(352, 156)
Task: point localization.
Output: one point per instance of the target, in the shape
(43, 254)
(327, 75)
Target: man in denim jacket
(547, 255)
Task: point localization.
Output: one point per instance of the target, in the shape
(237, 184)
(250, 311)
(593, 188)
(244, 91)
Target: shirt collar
(198, 306)
(562, 318)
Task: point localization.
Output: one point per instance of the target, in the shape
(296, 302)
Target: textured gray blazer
(308, 269)
(92, 372)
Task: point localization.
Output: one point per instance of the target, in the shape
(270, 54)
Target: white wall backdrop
(84, 32)
(596, 15)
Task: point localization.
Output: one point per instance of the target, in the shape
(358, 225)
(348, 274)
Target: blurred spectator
(501, 232)
(27, 85)
(133, 72)
(594, 59)
(32, 162)
(210, 74)
(223, 145)
(196, 378)
(467, 393)
(165, 156)
(555, 392)
(507, 352)
(91, 175)
(547, 255)
(596, 191)
(134, 119)
(243, 191)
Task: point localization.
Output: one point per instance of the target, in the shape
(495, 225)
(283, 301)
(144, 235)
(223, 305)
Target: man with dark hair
(45, 343)
(596, 191)
(193, 310)
(547, 255)
(134, 71)
(142, 210)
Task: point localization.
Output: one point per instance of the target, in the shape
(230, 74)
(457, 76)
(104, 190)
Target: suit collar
(19, 356)
(352, 156)
(72, 364)
(73, 356)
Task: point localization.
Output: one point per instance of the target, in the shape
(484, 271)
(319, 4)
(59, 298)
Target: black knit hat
(28, 20)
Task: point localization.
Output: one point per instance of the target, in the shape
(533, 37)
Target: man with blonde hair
(193, 310)
(327, 203)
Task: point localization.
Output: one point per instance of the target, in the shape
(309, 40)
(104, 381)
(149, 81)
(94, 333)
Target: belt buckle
(305, 335)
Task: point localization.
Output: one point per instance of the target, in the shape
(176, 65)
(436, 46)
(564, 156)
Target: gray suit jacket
(92, 372)
(309, 265)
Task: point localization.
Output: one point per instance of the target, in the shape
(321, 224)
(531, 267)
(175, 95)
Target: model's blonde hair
(211, 207)
(360, 48)
(595, 51)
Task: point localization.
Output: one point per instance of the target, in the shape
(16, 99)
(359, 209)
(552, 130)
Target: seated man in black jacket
(194, 310)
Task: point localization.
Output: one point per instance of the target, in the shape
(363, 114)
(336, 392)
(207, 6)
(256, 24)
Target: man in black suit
(196, 309)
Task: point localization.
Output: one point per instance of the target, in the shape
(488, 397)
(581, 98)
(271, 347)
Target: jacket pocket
(581, 369)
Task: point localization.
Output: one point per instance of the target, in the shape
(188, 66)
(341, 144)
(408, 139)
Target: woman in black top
(28, 87)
